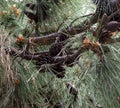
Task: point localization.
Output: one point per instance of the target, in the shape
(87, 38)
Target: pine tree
(59, 54)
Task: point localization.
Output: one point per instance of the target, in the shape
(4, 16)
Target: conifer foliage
(59, 54)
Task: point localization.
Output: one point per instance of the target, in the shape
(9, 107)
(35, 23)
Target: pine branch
(64, 34)
(68, 59)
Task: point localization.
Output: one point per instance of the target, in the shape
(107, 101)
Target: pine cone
(55, 49)
(43, 59)
(63, 37)
(57, 69)
(112, 26)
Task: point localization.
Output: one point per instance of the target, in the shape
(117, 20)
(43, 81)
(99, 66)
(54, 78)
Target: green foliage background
(94, 80)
